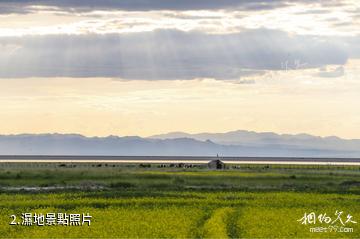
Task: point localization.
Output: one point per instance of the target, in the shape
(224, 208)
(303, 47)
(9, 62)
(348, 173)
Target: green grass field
(251, 202)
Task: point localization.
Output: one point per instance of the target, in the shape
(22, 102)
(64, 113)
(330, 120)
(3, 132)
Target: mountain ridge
(234, 143)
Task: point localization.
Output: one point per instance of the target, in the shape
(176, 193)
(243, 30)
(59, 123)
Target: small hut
(216, 164)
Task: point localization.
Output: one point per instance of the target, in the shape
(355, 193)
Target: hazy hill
(250, 138)
(238, 143)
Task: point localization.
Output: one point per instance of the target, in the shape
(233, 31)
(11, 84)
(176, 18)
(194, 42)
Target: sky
(144, 67)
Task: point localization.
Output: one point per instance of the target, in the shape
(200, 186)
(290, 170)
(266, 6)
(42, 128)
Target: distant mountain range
(235, 143)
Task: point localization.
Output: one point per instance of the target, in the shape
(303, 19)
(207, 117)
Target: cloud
(331, 73)
(146, 5)
(245, 82)
(9, 9)
(165, 54)
(314, 11)
(8, 49)
(352, 45)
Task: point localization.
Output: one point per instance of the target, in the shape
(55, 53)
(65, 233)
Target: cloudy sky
(143, 67)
